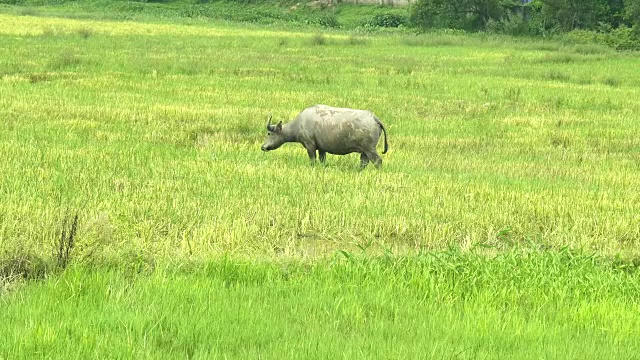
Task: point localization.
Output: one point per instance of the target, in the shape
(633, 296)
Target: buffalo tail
(386, 145)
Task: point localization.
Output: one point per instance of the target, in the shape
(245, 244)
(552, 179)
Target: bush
(328, 20)
(621, 38)
(624, 38)
(431, 14)
(515, 25)
(459, 14)
(388, 20)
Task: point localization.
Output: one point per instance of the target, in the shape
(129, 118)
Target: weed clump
(557, 75)
(65, 60)
(21, 266)
(611, 81)
(48, 31)
(66, 241)
(35, 78)
(84, 33)
(201, 136)
(318, 39)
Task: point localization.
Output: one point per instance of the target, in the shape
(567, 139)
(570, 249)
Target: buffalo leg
(364, 160)
(323, 156)
(312, 154)
(375, 158)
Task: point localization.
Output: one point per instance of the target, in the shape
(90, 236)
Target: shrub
(328, 20)
(621, 38)
(389, 20)
(458, 14)
(582, 36)
(515, 25)
(624, 38)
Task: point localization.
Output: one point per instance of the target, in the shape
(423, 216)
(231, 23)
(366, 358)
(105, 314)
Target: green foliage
(622, 38)
(632, 14)
(571, 14)
(515, 24)
(390, 20)
(615, 21)
(460, 14)
(438, 14)
(328, 20)
(267, 12)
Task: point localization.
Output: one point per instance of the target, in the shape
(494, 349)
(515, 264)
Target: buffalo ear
(279, 126)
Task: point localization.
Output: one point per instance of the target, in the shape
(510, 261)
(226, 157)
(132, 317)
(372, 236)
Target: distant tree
(584, 14)
(631, 14)
(527, 16)
(616, 13)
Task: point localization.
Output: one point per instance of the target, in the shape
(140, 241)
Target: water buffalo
(331, 130)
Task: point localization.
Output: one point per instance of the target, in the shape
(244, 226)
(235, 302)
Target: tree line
(529, 17)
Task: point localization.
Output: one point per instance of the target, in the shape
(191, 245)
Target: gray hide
(327, 129)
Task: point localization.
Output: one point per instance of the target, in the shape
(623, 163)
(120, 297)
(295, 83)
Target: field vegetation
(136, 202)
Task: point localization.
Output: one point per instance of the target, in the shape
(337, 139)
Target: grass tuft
(611, 81)
(557, 75)
(84, 32)
(318, 39)
(201, 136)
(48, 31)
(356, 40)
(35, 78)
(67, 241)
(562, 141)
(19, 266)
(65, 60)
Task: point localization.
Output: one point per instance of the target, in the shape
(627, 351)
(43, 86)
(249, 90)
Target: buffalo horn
(269, 127)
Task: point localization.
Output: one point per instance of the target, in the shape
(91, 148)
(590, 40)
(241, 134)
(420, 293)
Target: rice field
(507, 205)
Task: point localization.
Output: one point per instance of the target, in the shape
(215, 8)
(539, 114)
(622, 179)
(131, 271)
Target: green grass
(151, 133)
(524, 305)
(264, 12)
